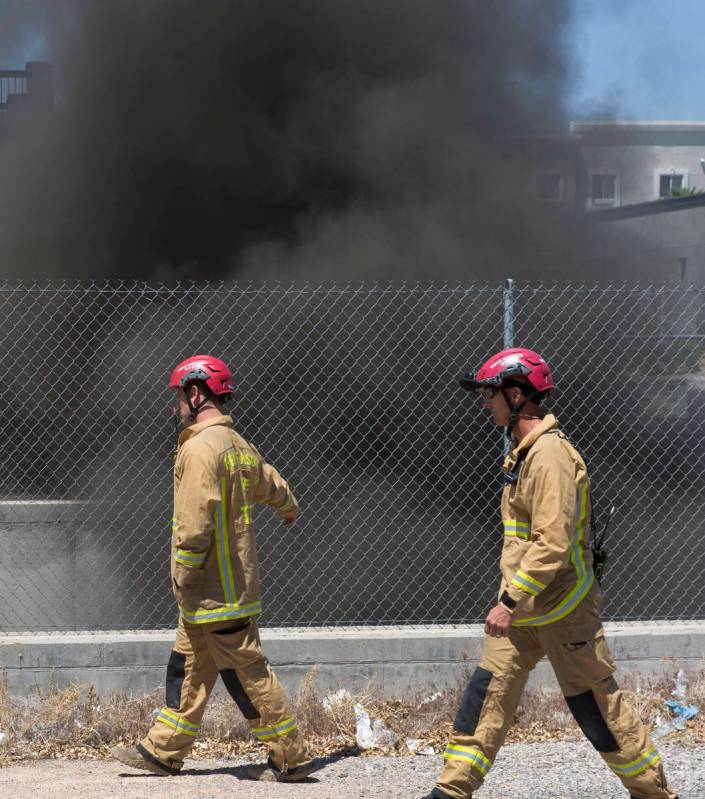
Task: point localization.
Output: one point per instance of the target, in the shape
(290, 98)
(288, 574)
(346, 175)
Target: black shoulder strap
(512, 476)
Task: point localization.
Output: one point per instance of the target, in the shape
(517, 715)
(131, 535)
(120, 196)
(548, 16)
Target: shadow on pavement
(240, 772)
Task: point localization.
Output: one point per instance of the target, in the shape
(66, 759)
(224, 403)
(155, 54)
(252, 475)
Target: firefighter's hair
(537, 397)
(221, 399)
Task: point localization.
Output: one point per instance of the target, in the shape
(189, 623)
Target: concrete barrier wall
(42, 563)
(65, 565)
(398, 662)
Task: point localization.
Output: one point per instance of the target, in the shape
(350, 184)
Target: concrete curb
(397, 661)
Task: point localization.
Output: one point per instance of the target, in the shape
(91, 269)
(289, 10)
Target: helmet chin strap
(194, 409)
(515, 410)
(176, 430)
(193, 414)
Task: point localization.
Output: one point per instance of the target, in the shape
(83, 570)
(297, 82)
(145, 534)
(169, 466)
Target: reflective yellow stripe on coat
(525, 582)
(583, 576)
(204, 615)
(518, 529)
(187, 558)
(227, 580)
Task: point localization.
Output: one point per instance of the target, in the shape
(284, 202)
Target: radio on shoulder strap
(599, 553)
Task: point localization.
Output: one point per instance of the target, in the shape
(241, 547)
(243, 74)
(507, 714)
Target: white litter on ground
(373, 735)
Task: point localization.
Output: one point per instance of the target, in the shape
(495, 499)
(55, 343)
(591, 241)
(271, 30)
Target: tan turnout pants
(581, 659)
(231, 649)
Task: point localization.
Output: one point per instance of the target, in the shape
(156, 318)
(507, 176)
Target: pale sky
(643, 58)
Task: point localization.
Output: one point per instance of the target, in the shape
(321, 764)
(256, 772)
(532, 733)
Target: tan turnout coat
(218, 477)
(546, 560)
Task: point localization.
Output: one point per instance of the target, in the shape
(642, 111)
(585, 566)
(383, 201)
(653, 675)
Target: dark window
(667, 183)
(603, 187)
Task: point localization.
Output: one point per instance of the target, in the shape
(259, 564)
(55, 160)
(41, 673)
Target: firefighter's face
(495, 402)
(183, 409)
(497, 406)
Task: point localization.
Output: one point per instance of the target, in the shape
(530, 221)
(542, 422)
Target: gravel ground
(522, 771)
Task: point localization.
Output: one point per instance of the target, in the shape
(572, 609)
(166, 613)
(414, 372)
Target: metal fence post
(508, 313)
(508, 338)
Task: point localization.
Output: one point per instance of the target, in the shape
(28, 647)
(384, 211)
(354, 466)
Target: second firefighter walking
(549, 602)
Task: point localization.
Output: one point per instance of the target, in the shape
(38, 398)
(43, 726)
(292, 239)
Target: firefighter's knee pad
(239, 694)
(175, 672)
(587, 713)
(472, 701)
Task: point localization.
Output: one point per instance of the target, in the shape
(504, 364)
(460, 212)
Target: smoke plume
(266, 139)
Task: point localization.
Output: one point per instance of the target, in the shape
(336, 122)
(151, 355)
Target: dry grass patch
(76, 723)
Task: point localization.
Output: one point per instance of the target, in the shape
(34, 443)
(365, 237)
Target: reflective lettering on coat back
(234, 459)
(245, 509)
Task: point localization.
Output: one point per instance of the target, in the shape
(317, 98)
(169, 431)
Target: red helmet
(212, 371)
(516, 364)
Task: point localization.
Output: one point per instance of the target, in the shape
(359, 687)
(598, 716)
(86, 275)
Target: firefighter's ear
(516, 395)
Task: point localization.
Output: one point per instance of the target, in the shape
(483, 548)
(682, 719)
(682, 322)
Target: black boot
(437, 793)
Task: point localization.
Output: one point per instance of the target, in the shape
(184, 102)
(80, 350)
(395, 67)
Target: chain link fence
(351, 391)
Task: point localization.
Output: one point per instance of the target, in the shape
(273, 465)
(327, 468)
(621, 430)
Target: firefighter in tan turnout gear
(218, 477)
(549, 600)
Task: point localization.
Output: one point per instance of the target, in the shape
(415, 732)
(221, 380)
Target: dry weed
(76, 723)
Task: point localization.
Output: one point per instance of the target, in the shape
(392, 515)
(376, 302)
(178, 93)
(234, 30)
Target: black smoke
(306, 138)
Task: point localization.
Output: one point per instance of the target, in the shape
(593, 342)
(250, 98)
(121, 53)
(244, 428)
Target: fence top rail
(112, 287)
(13, 73)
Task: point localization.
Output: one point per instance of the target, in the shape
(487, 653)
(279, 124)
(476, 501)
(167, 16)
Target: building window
(604, 189)
(671, 182)
(549, 186)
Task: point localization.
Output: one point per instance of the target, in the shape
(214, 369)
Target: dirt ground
(207, 779)
(563, 770)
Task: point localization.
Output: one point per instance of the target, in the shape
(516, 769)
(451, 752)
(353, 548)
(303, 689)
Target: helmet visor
(470, 382)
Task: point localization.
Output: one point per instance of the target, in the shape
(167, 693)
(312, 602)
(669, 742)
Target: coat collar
(549, 422)
(195, 429)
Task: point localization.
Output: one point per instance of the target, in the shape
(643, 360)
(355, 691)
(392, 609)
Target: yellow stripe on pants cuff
(177, 723)
(275, 730)
(466, 754)
(638, 766)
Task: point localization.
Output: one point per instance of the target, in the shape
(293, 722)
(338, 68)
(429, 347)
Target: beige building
(635, 162)
(631, 195)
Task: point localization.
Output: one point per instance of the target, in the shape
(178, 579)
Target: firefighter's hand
(287, 521)
(498, 621)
